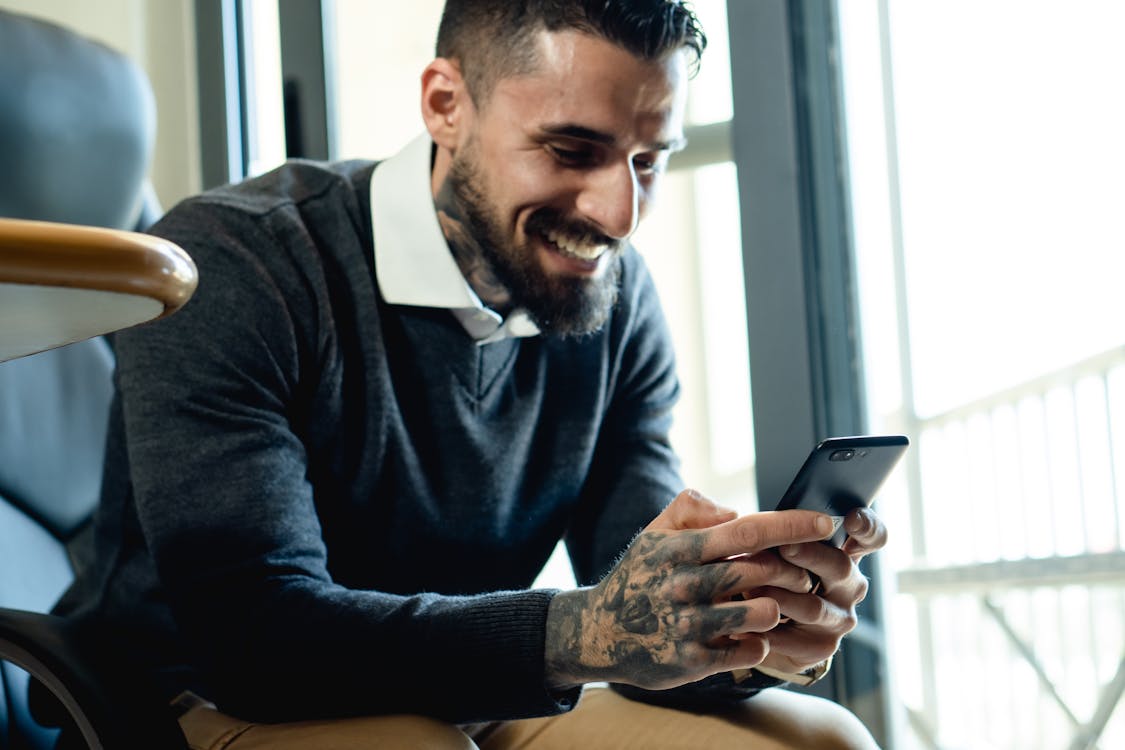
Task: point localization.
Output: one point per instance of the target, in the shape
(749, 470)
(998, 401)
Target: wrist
(562, 648)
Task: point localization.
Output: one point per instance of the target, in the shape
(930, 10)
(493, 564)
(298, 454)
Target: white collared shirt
(413, 263)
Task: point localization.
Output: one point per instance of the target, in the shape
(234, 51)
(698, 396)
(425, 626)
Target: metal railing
(1018, 586)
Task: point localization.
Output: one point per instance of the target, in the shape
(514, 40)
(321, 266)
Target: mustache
(545, 220)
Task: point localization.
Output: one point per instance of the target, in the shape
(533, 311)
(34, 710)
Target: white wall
(160, 36)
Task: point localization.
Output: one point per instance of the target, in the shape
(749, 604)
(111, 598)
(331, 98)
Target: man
(332, 477)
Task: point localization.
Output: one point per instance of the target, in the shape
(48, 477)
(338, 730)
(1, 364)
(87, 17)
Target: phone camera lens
(841, 455)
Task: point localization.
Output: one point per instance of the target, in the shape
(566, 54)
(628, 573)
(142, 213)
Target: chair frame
(76, 667)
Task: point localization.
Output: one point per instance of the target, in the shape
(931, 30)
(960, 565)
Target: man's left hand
(815, 623)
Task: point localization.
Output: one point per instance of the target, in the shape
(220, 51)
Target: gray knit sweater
(317, 503)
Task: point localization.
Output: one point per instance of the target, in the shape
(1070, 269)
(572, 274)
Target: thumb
(691, 510)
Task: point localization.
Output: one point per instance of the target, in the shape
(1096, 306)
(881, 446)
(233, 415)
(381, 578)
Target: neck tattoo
(468, 251)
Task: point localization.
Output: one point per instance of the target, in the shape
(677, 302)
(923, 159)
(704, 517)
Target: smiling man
(333, 477)
(539, 187)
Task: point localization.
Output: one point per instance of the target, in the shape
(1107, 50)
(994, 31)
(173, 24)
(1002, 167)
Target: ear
(446, 106)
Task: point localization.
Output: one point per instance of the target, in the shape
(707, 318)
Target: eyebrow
(606, 139)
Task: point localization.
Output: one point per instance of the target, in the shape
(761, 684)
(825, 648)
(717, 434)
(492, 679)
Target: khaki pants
(603, 720)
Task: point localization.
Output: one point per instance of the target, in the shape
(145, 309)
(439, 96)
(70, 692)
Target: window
(381, 49)
(692, 244)
(986, 154)
(264, 102)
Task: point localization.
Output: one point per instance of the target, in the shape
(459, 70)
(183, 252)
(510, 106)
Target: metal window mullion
(1049, 470)
(801, 300)
(307, 74)
(831, 289)
(1027, 652)
(1111, 439)
(1087, 737)
(1079, 466)
(765, 152)
(911, 424)
(220, 80)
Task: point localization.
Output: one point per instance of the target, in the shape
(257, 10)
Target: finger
(746, 573)
(745, 652)
(756, 615)
(840, 579)
(691, 510)
(794, 655)
(866, 533)
(715, 643)
(799, 646)
(761, 531)
(716, 623)
(809, 611)
(803, 644)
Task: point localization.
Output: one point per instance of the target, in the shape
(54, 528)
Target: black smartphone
(843, 473)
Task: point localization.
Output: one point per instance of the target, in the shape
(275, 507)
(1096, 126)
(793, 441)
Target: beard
(559, 304)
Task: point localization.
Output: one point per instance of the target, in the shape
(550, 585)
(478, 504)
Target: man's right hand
(665, 615)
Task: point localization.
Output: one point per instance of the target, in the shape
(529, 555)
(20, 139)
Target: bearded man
(333, 477)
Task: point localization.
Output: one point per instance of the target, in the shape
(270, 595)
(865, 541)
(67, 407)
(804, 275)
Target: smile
(575, 248)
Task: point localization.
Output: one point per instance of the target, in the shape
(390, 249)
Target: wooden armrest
(61, 283)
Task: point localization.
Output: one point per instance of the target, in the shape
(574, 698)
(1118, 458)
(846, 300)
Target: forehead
(587, 81)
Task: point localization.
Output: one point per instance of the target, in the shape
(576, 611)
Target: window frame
(807, 380)
(220, 79)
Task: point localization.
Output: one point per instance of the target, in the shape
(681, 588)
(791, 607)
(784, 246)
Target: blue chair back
(77, 124)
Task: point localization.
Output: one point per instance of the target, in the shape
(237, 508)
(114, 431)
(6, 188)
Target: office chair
(76, 133)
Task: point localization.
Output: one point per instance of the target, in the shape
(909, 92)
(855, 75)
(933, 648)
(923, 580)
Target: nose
(611, 199)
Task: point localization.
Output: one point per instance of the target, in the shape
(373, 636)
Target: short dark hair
(492, 39)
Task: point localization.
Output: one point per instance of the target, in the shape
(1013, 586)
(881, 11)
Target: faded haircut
(494, 39)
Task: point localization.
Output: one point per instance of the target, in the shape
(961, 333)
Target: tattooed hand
(815, 624)
(672, 610)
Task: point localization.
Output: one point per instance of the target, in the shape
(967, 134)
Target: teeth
(578, 250)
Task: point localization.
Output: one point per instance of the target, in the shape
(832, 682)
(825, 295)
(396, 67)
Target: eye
(570, 156)
(650, 164)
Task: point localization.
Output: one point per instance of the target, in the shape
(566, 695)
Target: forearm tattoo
(651, 622)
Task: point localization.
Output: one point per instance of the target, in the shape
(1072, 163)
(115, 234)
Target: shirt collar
(413, 263)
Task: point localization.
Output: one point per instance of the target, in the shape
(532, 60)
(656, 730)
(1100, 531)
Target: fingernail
(860, 523)
(790, 550)
(823, 525)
